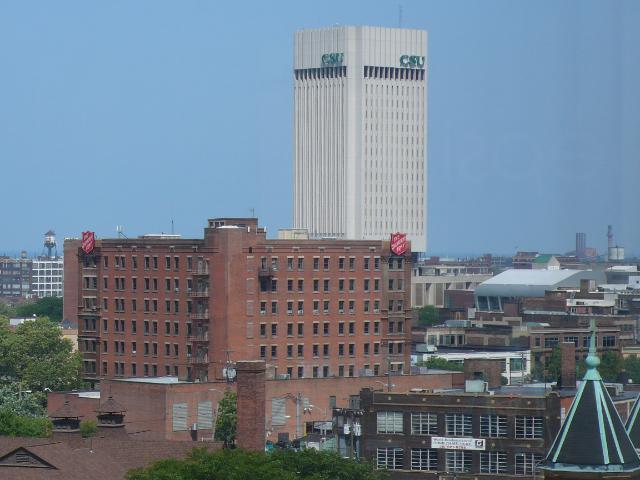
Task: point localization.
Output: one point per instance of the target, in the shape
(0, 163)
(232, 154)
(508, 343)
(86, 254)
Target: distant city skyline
(136, 114)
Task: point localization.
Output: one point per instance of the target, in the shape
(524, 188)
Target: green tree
(428, 315)
(227, 419)
(611, 364)
(14, 425)
(37, 355)
(6, 310)
(549, 371)
(440, 363)
(88, 428)
(632, 367)
(239, 465)
(50, 307)
(15, 399)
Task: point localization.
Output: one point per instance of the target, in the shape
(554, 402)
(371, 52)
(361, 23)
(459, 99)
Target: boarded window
(278, 411)
(179, 417)
(205, 415)
(249, 329)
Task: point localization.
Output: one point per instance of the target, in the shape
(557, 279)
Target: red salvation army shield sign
(88, 241)
(399, 243)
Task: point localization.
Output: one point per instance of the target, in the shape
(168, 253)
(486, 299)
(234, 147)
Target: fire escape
(199, 335)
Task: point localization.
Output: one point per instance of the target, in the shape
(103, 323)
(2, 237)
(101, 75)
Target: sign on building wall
(453, 443)
(399, 243)
(88, 242)
(331, 59)
(412, 61)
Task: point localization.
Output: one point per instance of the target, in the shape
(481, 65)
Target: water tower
(50, 243)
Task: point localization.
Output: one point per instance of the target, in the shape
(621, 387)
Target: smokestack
(567, 365)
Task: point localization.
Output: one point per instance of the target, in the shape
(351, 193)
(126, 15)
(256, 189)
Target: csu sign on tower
(412, 61)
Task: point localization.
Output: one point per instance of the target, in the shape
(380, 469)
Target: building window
(493, 426)
(572, 339)
(390, 422)
(390, 458)
(458, 424)
(608, 341)
(424, 424)
(528, 427)
(550, 342)
(424, 459)
(526, 463)
(493, 462)
(458, 461)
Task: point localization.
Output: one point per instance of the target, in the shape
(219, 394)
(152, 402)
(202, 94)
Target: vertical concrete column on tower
(250, 433)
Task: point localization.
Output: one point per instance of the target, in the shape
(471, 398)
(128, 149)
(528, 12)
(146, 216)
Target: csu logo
(332, 58)
(412, 61)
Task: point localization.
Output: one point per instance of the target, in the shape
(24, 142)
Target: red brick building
(152, 403)
(163, 305)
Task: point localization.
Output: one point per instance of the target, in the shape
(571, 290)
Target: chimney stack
(250, 432)
(567, 365)
(489, 370)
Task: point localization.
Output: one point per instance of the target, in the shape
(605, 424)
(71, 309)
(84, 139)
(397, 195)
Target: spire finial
(592, 359)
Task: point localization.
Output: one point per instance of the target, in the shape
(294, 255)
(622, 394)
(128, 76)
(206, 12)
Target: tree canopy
(440, 363)
(227, 419)
(428, 315)
(37, 355)
(611, 365)
(14, 425)
(240, 465)
(50, 307)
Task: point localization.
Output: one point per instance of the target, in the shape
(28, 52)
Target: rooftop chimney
(567, 365)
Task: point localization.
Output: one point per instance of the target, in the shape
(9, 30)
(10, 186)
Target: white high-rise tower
(360, 133)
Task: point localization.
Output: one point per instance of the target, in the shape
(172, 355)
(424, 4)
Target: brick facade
(150, 404)
(250, 432)
(163, 305)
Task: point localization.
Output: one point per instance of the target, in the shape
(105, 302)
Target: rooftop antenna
(120, 229)
(399, 16)
(172, 226)
(253, 212)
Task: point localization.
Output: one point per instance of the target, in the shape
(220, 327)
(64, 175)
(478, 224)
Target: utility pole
(298, 400)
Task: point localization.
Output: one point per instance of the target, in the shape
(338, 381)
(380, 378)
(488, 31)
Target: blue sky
(136, 113)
